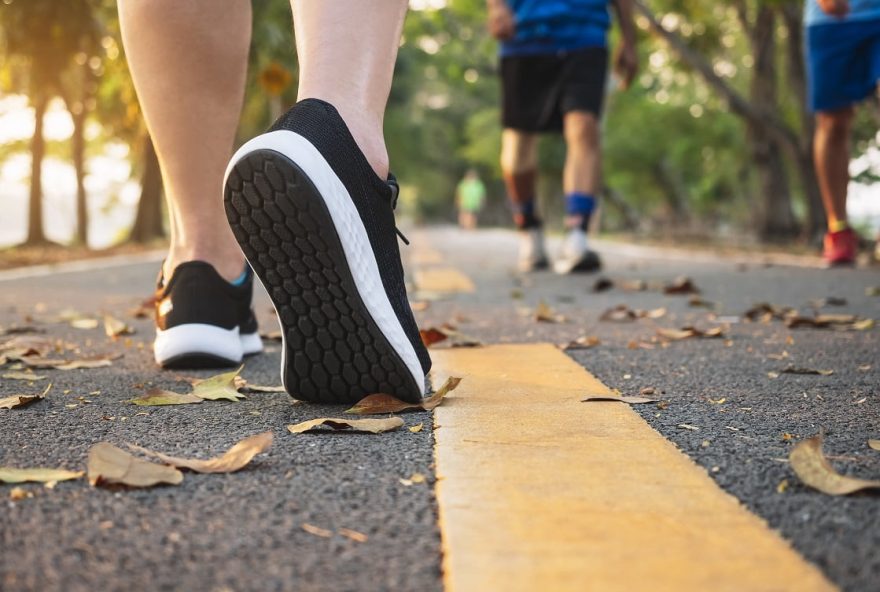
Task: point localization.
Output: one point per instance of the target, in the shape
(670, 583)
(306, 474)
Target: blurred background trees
(712, 140)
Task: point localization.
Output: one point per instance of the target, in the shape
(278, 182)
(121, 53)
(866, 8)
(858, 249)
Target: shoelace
(395, 192)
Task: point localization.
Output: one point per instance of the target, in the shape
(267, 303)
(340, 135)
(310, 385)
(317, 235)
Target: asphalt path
(244, 531)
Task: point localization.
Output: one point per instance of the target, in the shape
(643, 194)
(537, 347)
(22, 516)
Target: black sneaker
(317, 226)
(203, 321)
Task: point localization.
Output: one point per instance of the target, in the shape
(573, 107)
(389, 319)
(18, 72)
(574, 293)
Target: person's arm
(839, 8)
(626, 61)
(501, 23)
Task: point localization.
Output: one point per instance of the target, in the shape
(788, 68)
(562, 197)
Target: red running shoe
(841, 247)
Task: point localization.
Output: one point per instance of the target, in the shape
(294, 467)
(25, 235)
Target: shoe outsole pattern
(334, 351)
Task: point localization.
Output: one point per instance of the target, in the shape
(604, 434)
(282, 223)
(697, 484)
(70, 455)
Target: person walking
(470, 195)
(554, 61)
(843, 64)
(309, 204)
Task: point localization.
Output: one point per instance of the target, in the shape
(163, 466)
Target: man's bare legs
(347, 50)
(831, 155)
(519, 164)
(189, 61)
(583, 159)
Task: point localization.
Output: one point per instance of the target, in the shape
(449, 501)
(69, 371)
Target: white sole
(352, 235)
(197, 339)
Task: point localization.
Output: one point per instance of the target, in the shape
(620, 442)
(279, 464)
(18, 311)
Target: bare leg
(189, 60)
(346, 51)
(583, 160)
(519, 162)
(831, 154)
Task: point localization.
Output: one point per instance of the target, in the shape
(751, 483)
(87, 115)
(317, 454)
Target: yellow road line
(444, 280)
(538, 491)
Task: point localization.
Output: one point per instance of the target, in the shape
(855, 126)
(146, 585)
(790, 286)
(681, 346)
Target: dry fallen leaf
(797, 370)
(222, 386)
(545, 314)
(416, 428)
(696, 301)
(156, 396)
(36, 475)
(317, 530)
(687, 426)
(84, 323)
(414, 479)
(585, 342)
(354, 535)
(620, 313)
(28, 375)
(681, 285)
(689, 332)
(113, 327)
(624, 399)
(22, 400)
(375, 426)
(77, 364)
(875, 444)
(232, 460)
(109, 465)
(381, 403)
(602, 284)
(811, 466)
(872, 291)
(434, 335)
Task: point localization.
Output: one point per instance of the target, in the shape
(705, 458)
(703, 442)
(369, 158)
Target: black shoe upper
(196, 293)
(320, 123)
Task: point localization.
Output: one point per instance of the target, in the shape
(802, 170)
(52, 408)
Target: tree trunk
(35, 235)
(148, 222)
(774, 216)
(792, 15)
(79, 165)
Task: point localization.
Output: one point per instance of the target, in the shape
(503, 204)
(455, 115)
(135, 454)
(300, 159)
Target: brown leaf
(414, 479)
(113, 327)
(84, 323)
(545, 314)
(798, 370)
(20, 329)
(22, 400)
(381, 403)
(681, 285)
(76, 364)
(624, 399)
(874, 444)
(156, 396)
(689, 332)
(375, 426)
(811, 466)
(27, 345)
(416, 428)
(633, 285)
(696, 301)
(654, 313)
(602, 284)
(354, 535)
(619, 314)
(109, 465)
(222, 386)
(317, 530)
(36, 475)
(585, 342)
(232, 460)
(447, 332)
(28, 375)
(145, 309)
(432, 335)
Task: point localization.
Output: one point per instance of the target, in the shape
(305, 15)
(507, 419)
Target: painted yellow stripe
(539, 491)
(423, 255)
(444, 280)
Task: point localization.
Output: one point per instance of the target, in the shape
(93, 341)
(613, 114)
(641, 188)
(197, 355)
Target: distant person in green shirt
(470, 195)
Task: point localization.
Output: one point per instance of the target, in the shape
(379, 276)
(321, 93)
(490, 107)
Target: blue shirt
(858, 10)
(550, 26)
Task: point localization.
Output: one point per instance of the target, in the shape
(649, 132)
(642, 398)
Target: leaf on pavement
(113, 327)
(689, 332)
(414, 479)
(375, 426)
(109, 465)
(354, 535)
(232, 460)
(696, 301)
(381, 403)
(875, 444)
(585, 342)
(416, 428)
(22, 400)
(681, 285)
(27, 345)
(813, 468)
(872, 291)
(156, 397)
(447, 332)
(222, 386)
(619, 314)
(145, 309)
(799, 370)
(317, 530)
(20, 329)
(624, 399)
(37, 475)
(27, 375)
(844, 322)
(84, 323)
(75, 364)
(545, 314)
(432, 335)
(602, 284)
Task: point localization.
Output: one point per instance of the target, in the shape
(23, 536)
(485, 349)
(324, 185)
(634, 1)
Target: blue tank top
(550, 26)
(858, 10)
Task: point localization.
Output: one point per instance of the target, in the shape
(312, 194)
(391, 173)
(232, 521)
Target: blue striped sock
(579, 207)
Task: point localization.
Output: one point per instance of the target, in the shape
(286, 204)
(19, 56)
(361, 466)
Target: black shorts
(537, 90)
